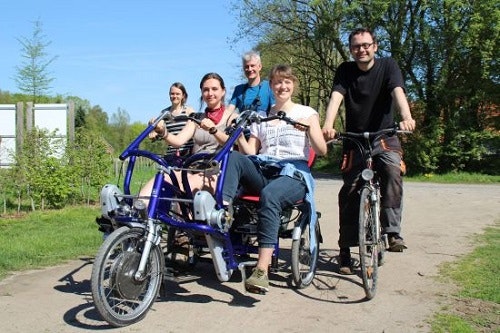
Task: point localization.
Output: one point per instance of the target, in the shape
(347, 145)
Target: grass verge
(327, 166)
(476, 305)
(45, 238)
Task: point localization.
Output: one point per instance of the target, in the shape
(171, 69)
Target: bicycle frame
(208, 215)
(128, 271)
(372, 243)
(158, 213)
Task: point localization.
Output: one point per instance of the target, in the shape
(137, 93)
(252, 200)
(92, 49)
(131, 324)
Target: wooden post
(70, 116)
(29, 116)
(19, 126)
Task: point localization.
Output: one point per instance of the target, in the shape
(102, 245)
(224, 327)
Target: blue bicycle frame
(166, 192)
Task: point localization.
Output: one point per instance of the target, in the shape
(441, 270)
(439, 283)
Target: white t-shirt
(282, 140)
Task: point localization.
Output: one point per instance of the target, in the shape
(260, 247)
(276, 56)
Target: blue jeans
(276, 194)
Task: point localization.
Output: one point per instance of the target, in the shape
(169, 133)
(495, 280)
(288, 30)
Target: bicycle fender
(131, 224)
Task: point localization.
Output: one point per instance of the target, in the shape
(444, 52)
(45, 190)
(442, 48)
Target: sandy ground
(438, 223)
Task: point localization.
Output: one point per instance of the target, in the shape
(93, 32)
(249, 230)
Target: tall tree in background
(445, 48)
(303, 34)
(33, 76)
(119, 130)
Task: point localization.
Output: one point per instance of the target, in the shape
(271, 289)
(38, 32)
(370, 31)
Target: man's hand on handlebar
(329, 133)
(407, 125)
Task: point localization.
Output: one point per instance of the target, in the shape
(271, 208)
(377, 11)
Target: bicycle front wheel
(368, 242)
(304, 261)
(120, 298)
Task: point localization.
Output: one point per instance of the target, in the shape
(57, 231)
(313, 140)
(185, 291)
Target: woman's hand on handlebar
(206, 124)
(158, 131)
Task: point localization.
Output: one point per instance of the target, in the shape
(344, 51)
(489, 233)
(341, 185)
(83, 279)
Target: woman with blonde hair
(286, 148)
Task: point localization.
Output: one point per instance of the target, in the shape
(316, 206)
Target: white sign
(7, 134)
(51, 117)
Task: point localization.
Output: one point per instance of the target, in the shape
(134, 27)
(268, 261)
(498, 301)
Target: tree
(119, 130)
(90, 164)
(446, 51)
(33, 77)
(39, 172)
(82, 108)
(303, 34)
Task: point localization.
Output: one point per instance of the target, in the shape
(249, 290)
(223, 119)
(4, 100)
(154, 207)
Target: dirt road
(438, 223)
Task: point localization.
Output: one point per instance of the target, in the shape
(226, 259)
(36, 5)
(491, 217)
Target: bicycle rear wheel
(368, 242)
(304, 262)
(118, 296)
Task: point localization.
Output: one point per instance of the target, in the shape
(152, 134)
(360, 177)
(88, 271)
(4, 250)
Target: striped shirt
(175, 127)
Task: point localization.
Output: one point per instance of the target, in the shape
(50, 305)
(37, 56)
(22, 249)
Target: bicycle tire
(119, 298)
(368, 243)
(303, 262)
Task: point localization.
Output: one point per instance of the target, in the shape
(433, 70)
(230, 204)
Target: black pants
(387, 165)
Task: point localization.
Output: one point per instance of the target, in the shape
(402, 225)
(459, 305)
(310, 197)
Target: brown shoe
(345, 262)
(396, 243)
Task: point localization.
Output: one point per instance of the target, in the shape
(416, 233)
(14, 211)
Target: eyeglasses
(358, 47)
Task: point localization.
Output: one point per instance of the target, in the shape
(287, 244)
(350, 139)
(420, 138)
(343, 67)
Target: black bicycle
(372, 243)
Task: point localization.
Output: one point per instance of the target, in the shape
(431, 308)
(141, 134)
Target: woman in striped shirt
(178, 98)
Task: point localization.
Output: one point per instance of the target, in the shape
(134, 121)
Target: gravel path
(438, 223)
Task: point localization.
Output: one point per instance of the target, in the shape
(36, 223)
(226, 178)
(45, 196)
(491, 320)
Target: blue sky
(125, 53)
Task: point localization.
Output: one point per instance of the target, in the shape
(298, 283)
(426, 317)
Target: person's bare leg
(146, 190)
(265, 257)
(196, 181)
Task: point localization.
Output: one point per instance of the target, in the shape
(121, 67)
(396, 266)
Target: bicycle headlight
(367, 174)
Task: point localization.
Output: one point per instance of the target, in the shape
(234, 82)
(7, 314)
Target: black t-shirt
(367, 95)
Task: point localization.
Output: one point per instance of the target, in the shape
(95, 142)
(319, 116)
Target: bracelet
(212, 130)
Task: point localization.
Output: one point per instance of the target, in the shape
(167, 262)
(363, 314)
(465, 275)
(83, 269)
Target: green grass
(44, 238)
(456, 178)
(142, 173)
(476, 306)
(41, 239)
(444, 323)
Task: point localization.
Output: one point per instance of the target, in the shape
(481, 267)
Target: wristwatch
(212, 130)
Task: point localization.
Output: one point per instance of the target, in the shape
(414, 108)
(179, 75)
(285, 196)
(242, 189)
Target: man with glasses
(372, 89)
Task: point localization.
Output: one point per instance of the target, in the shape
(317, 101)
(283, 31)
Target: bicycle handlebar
(184, 117)
(369, 135)
(281, 115)
(244, 119)
(248, 117)
(168, 117)
(252, 117)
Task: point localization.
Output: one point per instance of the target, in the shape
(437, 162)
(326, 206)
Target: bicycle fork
(153, 238)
